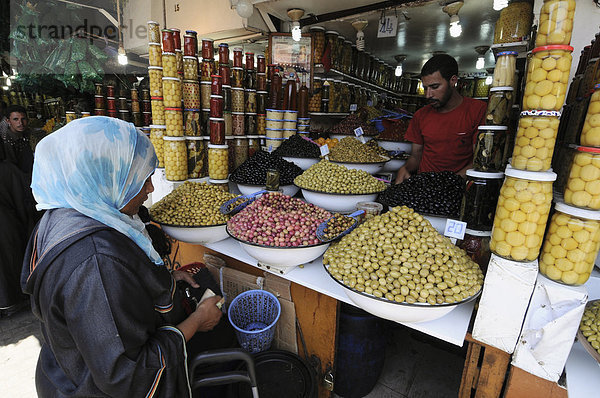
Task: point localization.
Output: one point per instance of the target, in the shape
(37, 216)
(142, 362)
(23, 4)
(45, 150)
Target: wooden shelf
(519, 46)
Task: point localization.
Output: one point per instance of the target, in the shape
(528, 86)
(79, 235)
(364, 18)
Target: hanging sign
(388, 26)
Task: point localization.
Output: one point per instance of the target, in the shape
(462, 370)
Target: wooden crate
(484, 372)
(523, 384)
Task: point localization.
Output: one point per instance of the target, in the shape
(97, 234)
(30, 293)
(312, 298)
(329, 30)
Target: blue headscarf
(96, 165)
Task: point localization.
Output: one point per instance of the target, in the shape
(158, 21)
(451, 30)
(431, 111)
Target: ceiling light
(398, 71)
(296, 31)
(360, 25)
(480, 64)
(8, 82)
(489, 80)
(500, 4)
(122, 55)
(400, 59)
(295, 14)
(481, 50)
(452, 10)
(455, 29)
(5, 88)
(244, 8)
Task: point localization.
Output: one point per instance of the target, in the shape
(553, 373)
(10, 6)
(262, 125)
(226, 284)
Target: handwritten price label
(353, 107)
(324, 150)
(455, 229)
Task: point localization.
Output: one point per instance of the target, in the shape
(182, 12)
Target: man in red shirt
(442, 133)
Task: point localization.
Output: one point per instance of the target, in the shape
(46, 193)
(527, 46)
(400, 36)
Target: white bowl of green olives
(395, 146)
(399, 312)
(337, 202)
(340, 137)
(247, 189)
(282, 257)
(196, 235)
(303, 163)
(371, 168)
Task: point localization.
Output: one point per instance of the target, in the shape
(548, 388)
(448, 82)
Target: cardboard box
(550, 327)
(506, 292)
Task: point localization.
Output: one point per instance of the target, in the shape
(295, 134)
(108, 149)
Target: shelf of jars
(518, 46)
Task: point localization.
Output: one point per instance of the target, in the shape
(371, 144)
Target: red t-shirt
(447, 138)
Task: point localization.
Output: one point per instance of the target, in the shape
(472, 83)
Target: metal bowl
(399, 312)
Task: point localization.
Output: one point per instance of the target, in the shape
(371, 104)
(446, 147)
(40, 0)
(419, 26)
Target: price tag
(324, 150)
(353, 107)
(455, 229)
(387, 26)
(270, 148)
(358, 131)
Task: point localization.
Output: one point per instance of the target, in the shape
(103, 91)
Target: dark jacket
(106, 313)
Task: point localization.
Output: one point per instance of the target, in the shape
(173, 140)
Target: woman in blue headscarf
(100, 290)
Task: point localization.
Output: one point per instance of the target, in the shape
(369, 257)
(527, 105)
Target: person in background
(3, 118)
(443, 132)
(101, 291)
(15, 136)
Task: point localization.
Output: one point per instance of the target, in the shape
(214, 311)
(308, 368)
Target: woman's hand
(208, 314)
(186, 277)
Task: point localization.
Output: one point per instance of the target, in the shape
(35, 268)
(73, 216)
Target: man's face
(17, 122)
(437, 89)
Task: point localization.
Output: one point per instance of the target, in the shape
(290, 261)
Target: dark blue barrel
(360, 353)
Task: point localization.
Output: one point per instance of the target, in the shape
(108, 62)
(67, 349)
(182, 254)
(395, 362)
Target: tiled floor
(416, 365)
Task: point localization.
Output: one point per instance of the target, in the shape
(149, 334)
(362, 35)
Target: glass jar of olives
(500, 103)
(175, 156)
(477, 246)
(590, 133)
(479, 201)
(218, 162)
(535, 139)
(195, 157)
(583, 184)
(318, 34)
(490, 147)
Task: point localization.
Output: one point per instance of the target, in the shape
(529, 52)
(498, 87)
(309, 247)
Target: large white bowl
(246, 189)
(399, 312)
(196, 235)
(371, 168)
(342, 136)
(340, 203)
(437, 222)
(282, 257)
(395, 146)
(393, 165)
(303, 163)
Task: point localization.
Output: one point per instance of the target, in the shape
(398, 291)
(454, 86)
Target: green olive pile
(349, 149)
(399, 256)
(334, 178)
(192, 204)
(590, 324)
(336, 225)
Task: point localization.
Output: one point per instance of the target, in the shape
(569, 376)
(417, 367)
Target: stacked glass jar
(218, 159)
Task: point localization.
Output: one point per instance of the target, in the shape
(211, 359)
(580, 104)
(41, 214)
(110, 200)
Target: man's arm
(412, 164)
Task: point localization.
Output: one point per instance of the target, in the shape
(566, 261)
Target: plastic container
(169, 64)
(514, 23)
(237, 77)
(237, 123)
(217, 131)
(250, 101)
(192, 123)
(505, 72)
(500, 102)
(190, 68)
(275, 114)
(480, 199)
(274, 124)
(216, 106)
(175, 154)
(157, 133)
(154, 54)
(237, 99)
(583, 184)
(205, 95)
(195, 157)
(490, 147)
(371, 209)
(153, 32)
(250, 124)
(477, 246)
(590, 133)
(191, 94)
(521, 214)
(223, 185)
(254, 314)
(240, 151)
(218, 162)
(274, 133)
(571, 245)
(207, 49)
(547, 77)
(535, 140)
(556, 22)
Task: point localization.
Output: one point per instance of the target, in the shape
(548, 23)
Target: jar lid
(174, 109)
(540, 113)
(216, 96)
(317, 28)
(485, 175)
(552, 47)
(191, 109)
(290, 111)
(252, 136)
(240, 137)
(206, 110)
(290, 129)
(275, 110)
(155, 67)
(166, 138)
(205, 82)
(236, 49)
(159, 99)
(577, 212)
(587, 149)
(276, 139)
(474, 232)
(347, 42)
(251, 113)
(191, 81)
(341, 37)
(249, 53)
(530, 175)
(216, 76)
(152, 23)
(216, 119)
(250, 90)
(69, 112)
(261, 92)
(501, 53)
(237, 68)
(331, 32)
(121, 110)
(237, 113)
(205, 39)
(215, 146)
(268, 129)
(504, 88)
(237, 88)
(190, 57)
(158, 126)
(193, 138)
(491, 127)
(153, 43)
(218, 181)
(229, 137)
(226, 86)
(167, 53)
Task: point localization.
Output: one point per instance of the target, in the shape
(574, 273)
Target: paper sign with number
(388, 26)
(353, 107)
(455, 229)
(324, 150)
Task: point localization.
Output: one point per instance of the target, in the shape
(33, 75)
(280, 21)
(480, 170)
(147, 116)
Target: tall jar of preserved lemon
(521, 214)
(548, 70)
(175, 156)
(556, 22)
(583, 184)
(571, 245)
(514, 23)
(590, 133)
(535, 139)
